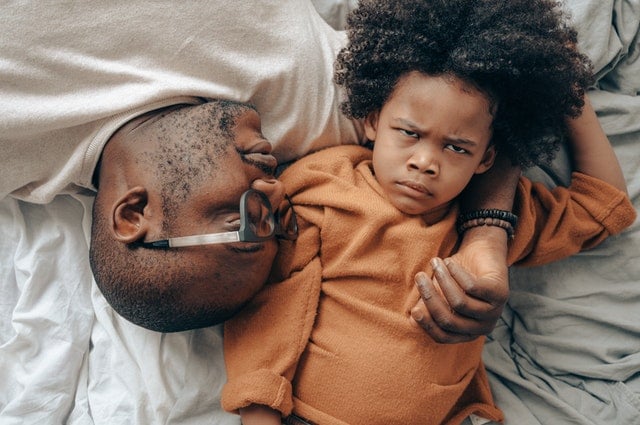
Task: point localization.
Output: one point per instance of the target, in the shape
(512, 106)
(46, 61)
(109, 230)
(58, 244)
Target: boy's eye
(456, 149)
(409, 133)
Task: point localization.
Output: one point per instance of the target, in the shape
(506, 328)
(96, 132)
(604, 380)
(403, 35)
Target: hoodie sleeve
(263, 343)
(554, 224)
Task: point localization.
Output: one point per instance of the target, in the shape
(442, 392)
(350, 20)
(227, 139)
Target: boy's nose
(271, 187)
(424, 162)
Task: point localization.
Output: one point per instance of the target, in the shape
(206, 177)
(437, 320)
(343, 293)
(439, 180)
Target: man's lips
(259, 155)
(262, 146)
(246, 247)
(265, 161)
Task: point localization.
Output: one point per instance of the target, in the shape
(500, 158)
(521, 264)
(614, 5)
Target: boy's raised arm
(591, 151)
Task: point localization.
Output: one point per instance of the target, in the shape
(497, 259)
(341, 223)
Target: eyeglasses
(258, 223)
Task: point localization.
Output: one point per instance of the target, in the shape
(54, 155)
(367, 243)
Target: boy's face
(431, 136)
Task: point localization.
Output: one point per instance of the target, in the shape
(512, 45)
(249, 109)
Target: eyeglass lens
(287, 222)
(259, 216)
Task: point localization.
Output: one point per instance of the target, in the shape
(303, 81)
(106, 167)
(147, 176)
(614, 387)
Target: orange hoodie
(331, 338)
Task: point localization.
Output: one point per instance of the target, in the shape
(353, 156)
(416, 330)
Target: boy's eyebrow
(414, 127)
(461, 140)
(410, 124)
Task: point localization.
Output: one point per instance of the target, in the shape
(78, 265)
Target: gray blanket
(567, 349)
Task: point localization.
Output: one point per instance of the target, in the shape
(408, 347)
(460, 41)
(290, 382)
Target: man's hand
(458, 305)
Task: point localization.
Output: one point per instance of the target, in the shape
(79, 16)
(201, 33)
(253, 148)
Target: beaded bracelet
(487, 222)
(488, 217)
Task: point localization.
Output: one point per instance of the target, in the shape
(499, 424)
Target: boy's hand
(457, 305)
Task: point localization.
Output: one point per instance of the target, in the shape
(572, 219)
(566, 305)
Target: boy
(443, 87)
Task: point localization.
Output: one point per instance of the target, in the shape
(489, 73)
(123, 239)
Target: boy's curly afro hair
(521, 53)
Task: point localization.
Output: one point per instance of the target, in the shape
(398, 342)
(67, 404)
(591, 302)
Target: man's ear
(371, 125)
(487, 160)
(129, 222)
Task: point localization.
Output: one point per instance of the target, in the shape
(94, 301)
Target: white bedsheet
(566, 352)
(46, 314)
(65, 357)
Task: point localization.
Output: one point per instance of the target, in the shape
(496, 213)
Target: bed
(566, 351)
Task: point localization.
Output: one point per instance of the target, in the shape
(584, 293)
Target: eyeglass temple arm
(194, 240)
(162, 244)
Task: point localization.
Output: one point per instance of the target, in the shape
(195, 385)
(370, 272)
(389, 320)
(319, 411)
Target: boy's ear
(371, 125)
(487, 160)
(129, 222)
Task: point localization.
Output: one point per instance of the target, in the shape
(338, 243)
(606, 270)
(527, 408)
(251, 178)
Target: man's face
(226, 274)
(431, 137)
(181, 171)
(178, 172)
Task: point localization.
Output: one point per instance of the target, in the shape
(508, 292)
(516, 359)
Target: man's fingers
(421, 315)
(438, 319)
(490, 288)
(454, 280)
(429, 293)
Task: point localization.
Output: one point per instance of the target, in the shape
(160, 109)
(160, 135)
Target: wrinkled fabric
(319, 338)
(45, 310)
(70, 74)
(567, 349)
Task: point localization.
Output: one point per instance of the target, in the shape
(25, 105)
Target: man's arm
(473, 282)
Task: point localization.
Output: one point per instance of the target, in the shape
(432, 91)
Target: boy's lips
(415, 186)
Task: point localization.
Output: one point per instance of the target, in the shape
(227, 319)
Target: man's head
(177, 172)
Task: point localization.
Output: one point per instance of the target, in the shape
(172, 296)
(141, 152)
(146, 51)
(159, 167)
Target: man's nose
(271, 187)
(425, 161)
